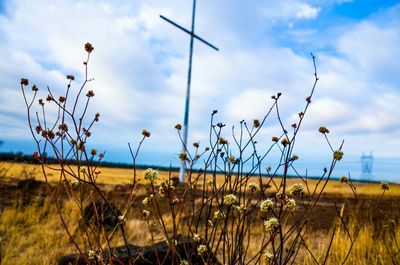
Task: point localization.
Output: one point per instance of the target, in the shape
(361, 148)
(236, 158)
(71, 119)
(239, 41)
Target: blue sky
(140, 67)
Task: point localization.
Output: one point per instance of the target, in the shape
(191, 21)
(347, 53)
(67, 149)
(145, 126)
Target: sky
(139, 65)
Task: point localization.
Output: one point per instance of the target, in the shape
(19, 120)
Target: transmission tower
(366, 166)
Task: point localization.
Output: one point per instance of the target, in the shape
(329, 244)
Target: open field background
(30, 229)
(123, 176)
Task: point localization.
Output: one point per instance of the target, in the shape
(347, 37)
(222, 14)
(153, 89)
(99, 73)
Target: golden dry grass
(33, 234)
(108, 175)
(124, 176)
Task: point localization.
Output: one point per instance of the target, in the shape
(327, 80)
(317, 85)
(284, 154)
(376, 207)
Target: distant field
(107, 176)
(122, 176)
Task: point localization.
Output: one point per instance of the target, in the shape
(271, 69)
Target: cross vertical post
(189, 79)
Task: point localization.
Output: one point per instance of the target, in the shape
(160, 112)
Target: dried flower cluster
(290, 204)
(338, 155)
(150, 174)
(253, 187)
(266, 205)
(296, 189)
(271, 225)
(230, 199)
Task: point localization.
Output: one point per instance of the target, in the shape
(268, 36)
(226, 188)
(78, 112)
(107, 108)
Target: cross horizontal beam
(189, 32)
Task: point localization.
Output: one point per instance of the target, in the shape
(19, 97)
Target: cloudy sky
(139, 66)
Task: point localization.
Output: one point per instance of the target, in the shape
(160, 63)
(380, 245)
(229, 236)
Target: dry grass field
(123, 176)
(31, 232)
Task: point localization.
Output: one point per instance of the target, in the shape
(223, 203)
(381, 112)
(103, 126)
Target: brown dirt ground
(16, 192)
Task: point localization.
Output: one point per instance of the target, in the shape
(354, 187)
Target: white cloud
(249, 104)
(288, 10)
(373, 48)
(308, 12)
(325, 111)
(380, 116)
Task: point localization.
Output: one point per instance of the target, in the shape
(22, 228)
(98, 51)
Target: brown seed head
(24, 81)
(145, 133)
(81, 146)
(285, 142)
(63, 127)
(323, 129)
(183, 156)
(97, 116)
(86, 132)
(90, 94)
(38, 129)
(88, 47)
(50, 134)
(93, 152)
(385, 186)
(223, 141)
(71, 77)
(338, 155)
(343, 179)
(44, 133)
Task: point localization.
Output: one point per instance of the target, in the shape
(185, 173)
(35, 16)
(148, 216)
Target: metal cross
(186, 119)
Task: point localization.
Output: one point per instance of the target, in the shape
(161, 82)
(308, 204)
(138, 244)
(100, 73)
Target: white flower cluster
(268, 256)
(296, 189)
(253, 187)
(229, 199)
(150, 174)
(146, 214)
(146, 201)
(219, 215)
(290, 204)
(196, 238)
(201, 249)
(271, 224)
(266, 205)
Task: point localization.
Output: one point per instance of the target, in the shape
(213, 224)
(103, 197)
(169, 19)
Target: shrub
(232, 204)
